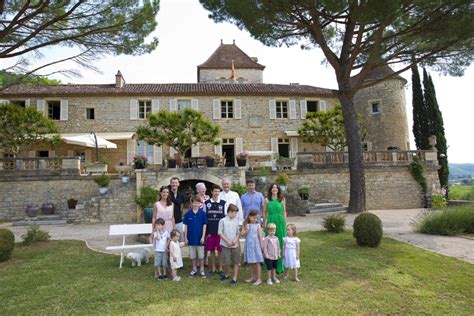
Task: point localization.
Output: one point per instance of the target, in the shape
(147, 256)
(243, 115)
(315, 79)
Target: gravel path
(397, 224)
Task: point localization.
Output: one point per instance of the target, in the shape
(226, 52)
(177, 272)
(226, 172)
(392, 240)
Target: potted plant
(103, 182)
(140, 161)
(263, 173)
(145, 201)
(282, 180)
(242, 159)
(303, 192)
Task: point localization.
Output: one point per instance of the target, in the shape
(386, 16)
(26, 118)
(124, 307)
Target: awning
(292, 133)
(108, 136)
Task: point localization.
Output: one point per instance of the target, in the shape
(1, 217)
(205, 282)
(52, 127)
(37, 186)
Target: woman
(164, 209)
(274, 211)
(201, 192)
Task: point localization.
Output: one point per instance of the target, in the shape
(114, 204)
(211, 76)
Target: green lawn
(461, 193)
(64, 277)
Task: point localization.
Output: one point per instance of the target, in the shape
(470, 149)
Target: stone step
(326, 210)
(324, 205)
(41, 222)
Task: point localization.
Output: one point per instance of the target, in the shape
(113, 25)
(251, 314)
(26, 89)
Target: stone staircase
(319, 208)
(53, 219)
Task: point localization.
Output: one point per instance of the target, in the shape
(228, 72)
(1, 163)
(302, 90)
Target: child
(195, 223)
(271, 250)
(160, 240)
(215, 208)
(253, 247)
(291, 251)
(229, 233)
(176, 261)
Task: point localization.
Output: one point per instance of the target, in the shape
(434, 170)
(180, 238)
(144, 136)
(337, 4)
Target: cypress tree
(420, 129)
(436, 127)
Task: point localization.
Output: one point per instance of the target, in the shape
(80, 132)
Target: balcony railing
(39, 165)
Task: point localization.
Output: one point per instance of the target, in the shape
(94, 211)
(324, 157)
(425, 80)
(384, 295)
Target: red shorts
(213, 242)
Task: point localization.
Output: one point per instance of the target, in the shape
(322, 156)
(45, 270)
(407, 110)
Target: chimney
(119, 81)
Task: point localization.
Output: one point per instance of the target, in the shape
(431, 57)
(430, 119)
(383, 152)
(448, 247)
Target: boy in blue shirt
(195, 223)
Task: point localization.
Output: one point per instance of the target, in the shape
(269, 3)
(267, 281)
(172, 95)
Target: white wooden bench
(127, 230)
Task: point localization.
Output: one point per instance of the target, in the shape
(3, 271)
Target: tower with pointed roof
(229, 64)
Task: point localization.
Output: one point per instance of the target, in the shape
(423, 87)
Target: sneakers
(250, 281)
(258, 282)
(269, 282)
(192, 274)
(224, 277)
(177, 279)
(233, 282)
(158, 278)
(275, 280)
(203, 274)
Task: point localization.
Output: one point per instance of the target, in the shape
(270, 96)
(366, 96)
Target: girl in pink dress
(164, 209)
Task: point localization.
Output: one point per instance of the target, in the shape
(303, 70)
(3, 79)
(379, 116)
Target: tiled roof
(378, 73)
(168, 89)
(225, 53)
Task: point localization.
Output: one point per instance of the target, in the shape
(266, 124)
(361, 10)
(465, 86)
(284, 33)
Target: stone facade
(216, 75)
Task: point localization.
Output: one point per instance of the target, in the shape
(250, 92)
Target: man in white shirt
(231, 197)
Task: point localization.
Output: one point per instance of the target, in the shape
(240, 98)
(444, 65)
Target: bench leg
(121, 259)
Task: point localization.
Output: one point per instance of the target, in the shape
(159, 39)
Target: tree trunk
(356, 159)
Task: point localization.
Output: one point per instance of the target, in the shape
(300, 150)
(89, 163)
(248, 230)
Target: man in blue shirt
(252, 200)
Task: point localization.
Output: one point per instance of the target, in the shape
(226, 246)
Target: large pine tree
(421, 129)
(436, 127)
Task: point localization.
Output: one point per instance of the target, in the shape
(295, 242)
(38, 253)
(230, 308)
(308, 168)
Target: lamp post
(96, 148)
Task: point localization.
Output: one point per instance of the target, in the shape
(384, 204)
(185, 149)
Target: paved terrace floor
(397, 224)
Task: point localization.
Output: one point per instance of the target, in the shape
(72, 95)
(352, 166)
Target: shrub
(438, 200)
(368, 230)
(282, 179)
(103, 181)
(35, 234)
(7, 243)
(239, 188)
(147, 197)
(334, 223)
(461, 193)
(447, 222)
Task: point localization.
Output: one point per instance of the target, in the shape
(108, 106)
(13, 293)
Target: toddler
(160, 239)
(291, 251)
(176, 261)
(271, 250)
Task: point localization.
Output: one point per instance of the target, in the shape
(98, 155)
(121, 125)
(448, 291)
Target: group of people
(212, 227)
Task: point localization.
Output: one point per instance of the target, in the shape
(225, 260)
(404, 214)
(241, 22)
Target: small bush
(334, 223)
(447, 222)
(7, 243)
(239, 188)
(35, 234)
(102, 181)
(438, 200)
(282, 179)
(368, 230)
(147, 197)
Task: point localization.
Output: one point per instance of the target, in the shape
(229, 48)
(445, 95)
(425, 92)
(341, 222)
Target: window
(182, 104)
(366, 146)
(144, 107)
(312, 106)
(281, 109)
(222, 80)
(81, 154)
(21, 103)
(42, 154)
(227, 109)
(146, 150)
(284, 147)
(375, 107)
(90, 113)
(227, 141)
(54, 110)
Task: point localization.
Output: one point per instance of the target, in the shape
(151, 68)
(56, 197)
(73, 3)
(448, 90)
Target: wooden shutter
(131, 149)
(155, 105)
(272, 109)
(322, 106)
(70, 153)
(274, 144)
(293, 147)
(195, 104)
(218, 148)
(32, 154)
(303, 109)
(239, 146)
(88, 154)
(27, 103)
(133, 109)
(63, 115)
(172, 152)
(292, 110)
(173, 105)
(195, 150)
(216, 109)
(158, 155)
(51, 153)
(238, 109)
(40, 106)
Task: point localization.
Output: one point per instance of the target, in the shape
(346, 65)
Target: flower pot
(148, 214)
(71, 204)
(47, 208)
(103, 190)
(262, 179)
(210, 162)
(125, 179)
(283, 187)
(139, 164)
(171, 164)
(241, 162)
(32, 210)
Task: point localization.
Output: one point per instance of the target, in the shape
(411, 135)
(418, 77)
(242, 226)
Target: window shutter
(195, 104)
(155, 105)
(216, 109)
(322, 106)
(172, 152)
(369, 146)
(131, 147)
(218, 148)
(40, 106)
(63, 116)
(238, 109)
(88, 155)
(173, 105)
(303, 109)
(27, 103)
(32, 154)
(292, 110)
(70, 153)
(51, 153)
(293, 147)
(195, 150)
(133, 109)
(239, 146)
(272, 109)
(274, 144)
(158, 154)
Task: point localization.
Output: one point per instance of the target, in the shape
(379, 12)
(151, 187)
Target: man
(178, 200)
(231, 197)
(252, 200)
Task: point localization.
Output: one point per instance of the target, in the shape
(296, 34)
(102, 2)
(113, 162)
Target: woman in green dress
(274, 211)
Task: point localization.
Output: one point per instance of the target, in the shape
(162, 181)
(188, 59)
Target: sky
(187, 37)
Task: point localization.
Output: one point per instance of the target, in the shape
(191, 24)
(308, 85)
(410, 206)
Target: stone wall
(213, 75)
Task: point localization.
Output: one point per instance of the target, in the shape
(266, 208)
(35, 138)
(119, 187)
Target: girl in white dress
(291, 251)
(176, 261)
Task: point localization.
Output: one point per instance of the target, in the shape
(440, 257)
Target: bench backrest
(130, 229)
